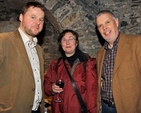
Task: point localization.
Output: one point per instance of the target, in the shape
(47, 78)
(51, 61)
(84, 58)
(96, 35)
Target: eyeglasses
(65, 40)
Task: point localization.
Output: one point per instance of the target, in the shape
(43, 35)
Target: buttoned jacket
(17, 86)
(126, 77)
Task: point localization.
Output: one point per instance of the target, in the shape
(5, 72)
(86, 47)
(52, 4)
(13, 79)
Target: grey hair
(105, 12)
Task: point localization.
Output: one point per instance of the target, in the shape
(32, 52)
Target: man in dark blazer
(118, 67)
(21, 64)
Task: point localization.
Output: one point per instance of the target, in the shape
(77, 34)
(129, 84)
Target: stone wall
(79, 15)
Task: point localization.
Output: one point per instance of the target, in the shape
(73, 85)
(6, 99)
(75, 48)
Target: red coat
(86, 81)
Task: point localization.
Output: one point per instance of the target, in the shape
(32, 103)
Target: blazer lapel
(122, 48)
(101, 59)
(20, 45)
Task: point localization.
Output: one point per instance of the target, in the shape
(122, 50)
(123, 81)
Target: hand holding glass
(59, 83)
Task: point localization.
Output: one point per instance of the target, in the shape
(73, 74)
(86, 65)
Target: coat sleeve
(1, 54)
(138, 52)
(91, 86)
(49, 78)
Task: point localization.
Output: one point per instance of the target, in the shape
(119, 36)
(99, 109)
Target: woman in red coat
(82, 70)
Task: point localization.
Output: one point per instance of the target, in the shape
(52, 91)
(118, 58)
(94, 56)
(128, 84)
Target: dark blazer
(126, 77)
(17, 85)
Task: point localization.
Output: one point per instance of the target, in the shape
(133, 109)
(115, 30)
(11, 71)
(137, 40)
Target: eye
(42, 20)
(33, 17)
(63, 40)
(70, 39)
(107, 22)
(99, 26)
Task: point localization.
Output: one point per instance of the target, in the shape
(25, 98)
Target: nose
(67, 41)
(38, 21)
(104, 27)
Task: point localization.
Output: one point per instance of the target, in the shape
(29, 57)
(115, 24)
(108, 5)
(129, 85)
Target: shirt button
(33, 89)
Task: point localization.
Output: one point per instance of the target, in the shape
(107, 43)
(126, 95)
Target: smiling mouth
(107, 32)
(68, 47)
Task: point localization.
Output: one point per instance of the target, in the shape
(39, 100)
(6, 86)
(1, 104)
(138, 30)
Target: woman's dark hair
(30, 4)
(62, 34)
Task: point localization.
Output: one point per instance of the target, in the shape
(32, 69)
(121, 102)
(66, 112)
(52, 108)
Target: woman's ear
(77, 43)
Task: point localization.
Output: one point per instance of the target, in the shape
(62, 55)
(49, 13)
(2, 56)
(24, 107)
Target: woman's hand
(56, 89)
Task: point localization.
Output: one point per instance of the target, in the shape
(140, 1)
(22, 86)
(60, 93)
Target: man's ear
(21, 17)
(117, 22)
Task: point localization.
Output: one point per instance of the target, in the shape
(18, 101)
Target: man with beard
(21, 64)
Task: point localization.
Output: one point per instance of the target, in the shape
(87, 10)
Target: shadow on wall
(100, 38)
(8, 26)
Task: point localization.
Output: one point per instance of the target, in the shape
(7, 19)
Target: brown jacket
(126, 78)
(16, 76)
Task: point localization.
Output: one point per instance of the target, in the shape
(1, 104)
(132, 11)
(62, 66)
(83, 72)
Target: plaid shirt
(107, 71)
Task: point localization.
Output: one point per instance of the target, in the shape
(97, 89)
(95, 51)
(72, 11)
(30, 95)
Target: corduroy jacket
(17, 86)
(126, 77)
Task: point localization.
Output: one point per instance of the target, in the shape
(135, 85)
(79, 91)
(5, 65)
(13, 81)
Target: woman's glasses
(68, 40)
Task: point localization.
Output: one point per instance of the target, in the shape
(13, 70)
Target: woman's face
(69, 44)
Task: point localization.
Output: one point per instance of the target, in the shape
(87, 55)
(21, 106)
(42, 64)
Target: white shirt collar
(26, 39)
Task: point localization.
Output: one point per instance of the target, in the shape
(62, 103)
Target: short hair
(32, 4)
(62, 34)
(105, 12)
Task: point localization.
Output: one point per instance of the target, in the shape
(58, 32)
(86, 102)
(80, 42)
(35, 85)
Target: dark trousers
(107, 109)
(38, 111)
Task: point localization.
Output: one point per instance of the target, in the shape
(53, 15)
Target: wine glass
(59, 83)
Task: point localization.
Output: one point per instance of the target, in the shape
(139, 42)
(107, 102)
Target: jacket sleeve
(1, 54)
(49, 78)
(138, 52)
(91, 85)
